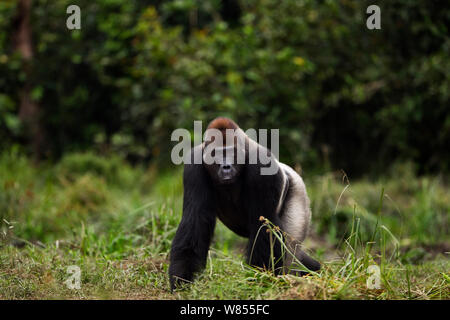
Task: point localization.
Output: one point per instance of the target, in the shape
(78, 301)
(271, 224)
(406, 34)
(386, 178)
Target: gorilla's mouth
(227, 178)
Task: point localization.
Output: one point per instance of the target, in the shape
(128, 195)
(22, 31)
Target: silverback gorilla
(238, 194)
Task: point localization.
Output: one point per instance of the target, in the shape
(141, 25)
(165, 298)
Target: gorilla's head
(224, 151)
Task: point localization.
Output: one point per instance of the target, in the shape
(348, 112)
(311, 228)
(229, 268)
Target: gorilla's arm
(193, 237)
(262, 196)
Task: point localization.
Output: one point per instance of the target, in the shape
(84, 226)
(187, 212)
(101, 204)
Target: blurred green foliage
(85, 195)
(343, 96)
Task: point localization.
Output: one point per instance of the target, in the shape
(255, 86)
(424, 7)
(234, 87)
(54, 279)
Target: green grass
(116, 224)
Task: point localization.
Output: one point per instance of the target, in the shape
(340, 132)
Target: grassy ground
(116, 224)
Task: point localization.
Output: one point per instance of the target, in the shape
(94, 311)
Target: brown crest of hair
(222, 124)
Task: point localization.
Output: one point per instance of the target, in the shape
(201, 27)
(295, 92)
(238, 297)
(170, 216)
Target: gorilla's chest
(231, 210)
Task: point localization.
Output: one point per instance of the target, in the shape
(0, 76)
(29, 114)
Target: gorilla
(242, 198)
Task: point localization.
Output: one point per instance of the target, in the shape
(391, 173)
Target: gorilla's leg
(293, 267)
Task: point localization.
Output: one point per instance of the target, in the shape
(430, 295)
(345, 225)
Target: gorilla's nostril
(226, 167)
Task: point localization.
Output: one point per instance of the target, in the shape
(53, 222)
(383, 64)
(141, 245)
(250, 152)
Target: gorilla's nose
(225, 167)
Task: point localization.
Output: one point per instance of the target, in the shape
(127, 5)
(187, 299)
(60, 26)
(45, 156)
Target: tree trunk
(29, 111)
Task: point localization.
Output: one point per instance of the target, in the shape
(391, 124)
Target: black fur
(239, 206)
(193, 237)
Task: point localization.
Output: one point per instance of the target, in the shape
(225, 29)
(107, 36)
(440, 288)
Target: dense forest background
(343, 96)
(86, 118)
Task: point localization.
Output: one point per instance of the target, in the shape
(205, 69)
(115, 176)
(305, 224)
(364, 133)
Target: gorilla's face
(226, 169)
